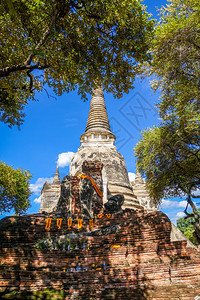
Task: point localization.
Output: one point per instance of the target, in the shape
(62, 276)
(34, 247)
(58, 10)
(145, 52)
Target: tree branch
(27, 64)
(194, 44)
(193, 196)
(48, 94)
(6, 71)
(196, 215)
(44, 37)
(185, 211)
(189, 216)
(31, 81)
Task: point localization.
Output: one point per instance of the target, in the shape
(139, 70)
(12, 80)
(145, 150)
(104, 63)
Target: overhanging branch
(6, 71)
(27, 64)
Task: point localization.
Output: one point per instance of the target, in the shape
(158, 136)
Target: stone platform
(125, 256)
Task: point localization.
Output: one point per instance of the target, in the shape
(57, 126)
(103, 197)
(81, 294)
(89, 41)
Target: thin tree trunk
(196, 217)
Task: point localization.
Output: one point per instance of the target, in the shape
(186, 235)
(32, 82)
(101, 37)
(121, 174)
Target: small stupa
(50, 194)
(140, 190)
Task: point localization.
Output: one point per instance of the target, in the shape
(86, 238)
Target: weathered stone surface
(145, 266)
(86, 197)
(63, 205)
(112, 160)
(115, 168)
(94, 170)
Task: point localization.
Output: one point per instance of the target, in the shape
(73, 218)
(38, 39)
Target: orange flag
(91, 223)
(69, 223)
(100, 216)
(92, 181)
(48, 224)
(108, 215)
(59, 222)
(80, 223)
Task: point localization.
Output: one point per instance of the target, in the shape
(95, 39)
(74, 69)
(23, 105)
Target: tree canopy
(14, 189)
(175, 57)
(169, 155)
(67, 44)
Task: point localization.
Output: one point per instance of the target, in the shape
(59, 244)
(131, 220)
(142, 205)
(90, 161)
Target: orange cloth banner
(115, 246)
(69, 223)
(80, 223)
(92, 181)
(91, 223)
(108, 215)
(48, 224)
(100, 216)
(59, 222)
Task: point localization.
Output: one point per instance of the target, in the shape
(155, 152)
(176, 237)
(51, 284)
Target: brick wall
(145, 266)
(94, 170)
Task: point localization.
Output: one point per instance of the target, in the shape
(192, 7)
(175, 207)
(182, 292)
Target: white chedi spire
(98, 118)
(97, 130)
(56, 179)
(138, 178)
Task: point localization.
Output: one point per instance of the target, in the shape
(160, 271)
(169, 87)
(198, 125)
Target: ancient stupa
(98, 144)
(142, 194)
(50, 193)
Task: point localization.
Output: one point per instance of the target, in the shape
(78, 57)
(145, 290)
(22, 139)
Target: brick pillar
(75, 199)
(94, 170)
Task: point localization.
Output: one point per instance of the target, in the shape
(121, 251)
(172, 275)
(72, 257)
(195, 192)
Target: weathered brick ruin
(128, 255)
(145, 266)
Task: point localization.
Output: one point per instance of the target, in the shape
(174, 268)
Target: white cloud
(37, 186)
(182, 204)
(169, 204)
(64, 159)
(37, 200)
(176, 217)
(131, 176)
(180, 214)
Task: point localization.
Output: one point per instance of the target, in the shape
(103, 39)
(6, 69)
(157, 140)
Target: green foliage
(169, 158)
(14, 189)
(169, 155)
(67, 45)
(11, 109)
(175, 58)
(35, 295)
(187, 228)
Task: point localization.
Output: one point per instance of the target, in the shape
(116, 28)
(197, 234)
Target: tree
(186, 226)
(169, 157)
(14, 189)
(175, 57)
(66, 44)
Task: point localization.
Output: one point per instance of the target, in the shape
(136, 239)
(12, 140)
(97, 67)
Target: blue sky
(53, 127)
